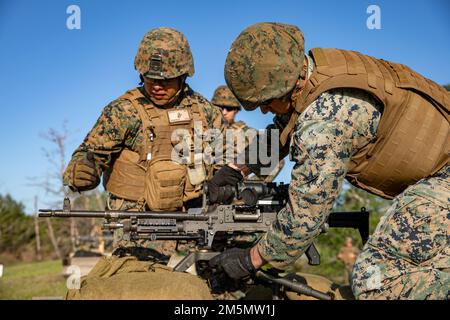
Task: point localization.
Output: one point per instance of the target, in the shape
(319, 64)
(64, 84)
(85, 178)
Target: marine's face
(162, 92)
(276, 106)
(229, 113)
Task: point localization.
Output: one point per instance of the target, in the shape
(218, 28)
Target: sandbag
(126, 278)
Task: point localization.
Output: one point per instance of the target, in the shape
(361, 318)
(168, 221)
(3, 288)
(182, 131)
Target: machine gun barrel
(47, 213)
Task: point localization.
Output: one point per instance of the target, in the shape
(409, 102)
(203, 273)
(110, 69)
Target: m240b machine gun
(254, 209)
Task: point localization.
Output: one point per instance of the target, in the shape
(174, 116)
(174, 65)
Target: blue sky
(50, 73)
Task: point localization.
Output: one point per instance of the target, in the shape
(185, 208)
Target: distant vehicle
(90, 250)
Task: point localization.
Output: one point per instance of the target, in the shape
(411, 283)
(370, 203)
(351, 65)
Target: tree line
(25, 237)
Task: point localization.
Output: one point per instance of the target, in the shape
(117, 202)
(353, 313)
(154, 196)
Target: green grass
(25, 281)
(328, 246)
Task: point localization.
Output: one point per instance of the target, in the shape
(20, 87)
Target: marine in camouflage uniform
(224, 99)
(331, 126)
(163, 58)
(348, 254)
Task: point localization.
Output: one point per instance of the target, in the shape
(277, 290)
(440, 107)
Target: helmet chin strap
(300, 84)
(293, 96)
(176, 96)
(181, 83)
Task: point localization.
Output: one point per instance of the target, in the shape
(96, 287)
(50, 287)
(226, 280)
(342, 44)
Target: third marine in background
(224, 99)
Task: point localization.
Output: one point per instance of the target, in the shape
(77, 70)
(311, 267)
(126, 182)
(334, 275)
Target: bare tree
(52, 238)
(52, 183)
(36, 230)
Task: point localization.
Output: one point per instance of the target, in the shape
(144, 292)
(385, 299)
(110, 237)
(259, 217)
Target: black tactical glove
(226, 176)
(235, 262)
(84, 174)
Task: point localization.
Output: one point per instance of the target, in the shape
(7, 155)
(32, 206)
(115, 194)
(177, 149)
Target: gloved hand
(84, 174)
(235, 262)
(226, 176)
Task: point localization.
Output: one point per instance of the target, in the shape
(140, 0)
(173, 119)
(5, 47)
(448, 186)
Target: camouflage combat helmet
(164, 53)
(224, 97)
(264, 62)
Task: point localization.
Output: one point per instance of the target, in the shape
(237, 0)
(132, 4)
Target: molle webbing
(127, 178)
(349, 69)
(413, 137)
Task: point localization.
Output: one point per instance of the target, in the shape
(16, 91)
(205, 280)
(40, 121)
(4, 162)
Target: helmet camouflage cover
(264, 62)
(224, 97)
(164, 53)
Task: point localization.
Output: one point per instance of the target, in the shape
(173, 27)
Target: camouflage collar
(186, 96)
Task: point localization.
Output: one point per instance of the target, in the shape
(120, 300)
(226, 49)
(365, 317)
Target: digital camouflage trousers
(407, 257)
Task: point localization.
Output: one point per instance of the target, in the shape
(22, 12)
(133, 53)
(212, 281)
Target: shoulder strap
(133, 96)
(199, 115)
